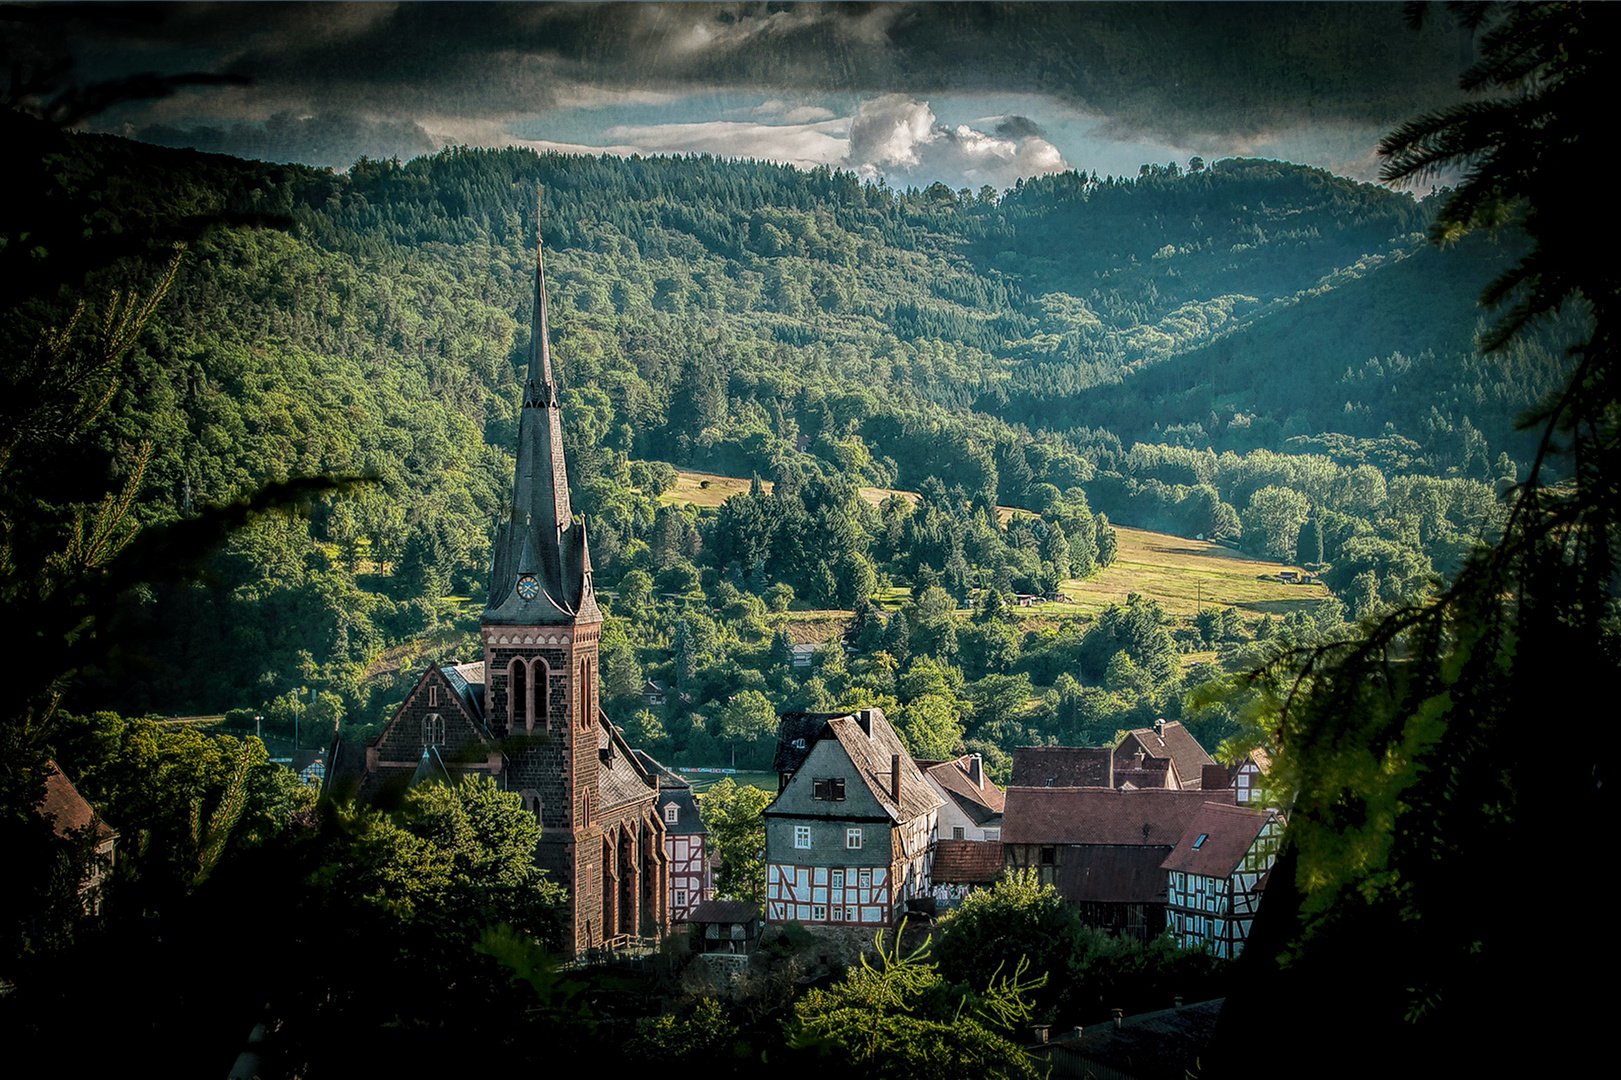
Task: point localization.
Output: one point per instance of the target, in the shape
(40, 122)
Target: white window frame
(853, 838)
(802, 836)
(672, 813)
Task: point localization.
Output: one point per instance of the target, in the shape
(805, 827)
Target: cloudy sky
(964, 94)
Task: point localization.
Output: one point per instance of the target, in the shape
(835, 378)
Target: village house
(691, 881)
(1216, 873)
(850, 836)
(1102, 847)
(70, 816)
(971, 805)
(1165, 739)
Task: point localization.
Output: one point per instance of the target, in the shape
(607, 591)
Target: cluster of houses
(1151, 834)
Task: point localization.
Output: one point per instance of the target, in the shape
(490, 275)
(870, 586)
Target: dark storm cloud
(333, 139)
(1174, 71)
(1018, 127)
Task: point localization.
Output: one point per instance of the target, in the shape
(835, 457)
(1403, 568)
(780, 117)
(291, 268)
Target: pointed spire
(539, 564)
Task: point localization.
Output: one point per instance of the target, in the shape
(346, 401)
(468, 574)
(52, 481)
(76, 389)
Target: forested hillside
(1250, 351)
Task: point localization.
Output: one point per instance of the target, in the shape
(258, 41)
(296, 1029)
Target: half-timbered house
(970, 803)
(691, 881)
(1102, 848)
(850, 835)
(1165, 739)
(1215, 874)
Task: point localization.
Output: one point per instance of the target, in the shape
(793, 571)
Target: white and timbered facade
(850, 836)
(1215, 874)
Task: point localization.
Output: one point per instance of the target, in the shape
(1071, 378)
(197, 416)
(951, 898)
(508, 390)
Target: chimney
(1038, 1033)
(976, 771)
(1074, 1032)
(1119, 1018)
(1159, 726)
(1179, 1001)
(864, 718)
(895, 778)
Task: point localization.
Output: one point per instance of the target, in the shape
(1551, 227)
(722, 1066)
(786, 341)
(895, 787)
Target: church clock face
(528, 587)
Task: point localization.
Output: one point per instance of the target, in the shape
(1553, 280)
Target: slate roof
(688, 821)
(797, 732)
(1173, 741)
(467, 682)
(1063, 766)
(872, 758)
(1228, 831)
(621, 777)
(724, 911)
(980, 804)
(1087, 815)
(966, 862)
(67, 810)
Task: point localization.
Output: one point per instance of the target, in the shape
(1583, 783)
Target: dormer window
(672, 813)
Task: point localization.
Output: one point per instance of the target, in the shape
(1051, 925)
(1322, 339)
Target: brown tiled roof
(1216, 776)
(66, 809)
(966, 862)
(1228, 832)
(1144, 778)
(1111, 874)
(724, 911)
(872, 757)
(1164, 1045)
(980, 803)
(1086, 815)
(1061, 766)
(1173, 741)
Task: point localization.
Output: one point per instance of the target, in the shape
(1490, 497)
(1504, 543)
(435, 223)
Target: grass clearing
(1184, 575)
(710, 490)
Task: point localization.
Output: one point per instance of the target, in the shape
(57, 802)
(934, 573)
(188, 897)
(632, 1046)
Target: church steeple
(541, 571)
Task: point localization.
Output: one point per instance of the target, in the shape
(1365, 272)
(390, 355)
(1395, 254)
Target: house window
(865, 879)
(849, 914)
(818, 913)
(838, 879)
(1198, 841)
(828, 789)
(852, 838)
(957, 832)
(1049, 856)
(433, 697)
(681, 898)
(672, 813)
(801, 836)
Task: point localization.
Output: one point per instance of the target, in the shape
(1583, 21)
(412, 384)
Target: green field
(1183, 575)
(701, 781)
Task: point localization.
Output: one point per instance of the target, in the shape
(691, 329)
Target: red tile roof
(1087, 815)
(966, 862)
(1228, 832)
(1171, 740)
(66, 809)
(980, 802)
(1061, 766)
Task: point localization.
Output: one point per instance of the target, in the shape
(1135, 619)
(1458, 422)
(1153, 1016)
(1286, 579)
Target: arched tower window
(517, 693)
(531, 801)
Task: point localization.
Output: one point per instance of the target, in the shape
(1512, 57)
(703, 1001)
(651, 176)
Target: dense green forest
(1146, 349)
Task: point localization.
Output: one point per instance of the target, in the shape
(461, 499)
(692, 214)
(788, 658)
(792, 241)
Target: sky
(966, 95)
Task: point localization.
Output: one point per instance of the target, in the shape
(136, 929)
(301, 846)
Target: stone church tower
(528, 715)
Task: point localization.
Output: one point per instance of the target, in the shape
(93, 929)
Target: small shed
(724, 926)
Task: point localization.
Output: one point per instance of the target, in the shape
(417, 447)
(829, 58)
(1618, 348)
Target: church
(527, 714)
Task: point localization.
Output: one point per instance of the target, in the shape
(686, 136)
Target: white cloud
(896, 136)
(804, 145)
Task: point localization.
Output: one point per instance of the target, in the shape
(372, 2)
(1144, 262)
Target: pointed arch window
(433, 730)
